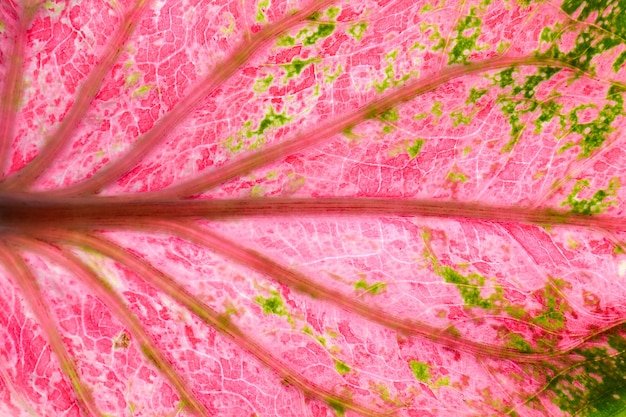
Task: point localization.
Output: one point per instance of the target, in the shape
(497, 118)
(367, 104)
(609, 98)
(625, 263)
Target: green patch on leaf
(271, 119)
(142, 91)
(415, 148)
(333, 12)
(357, 31)
(551, 316)
(336, 405)
(456, 177)
(458, 117)
(421, 370)
(389, 80)
(595, 386)
(516, 341)
(442, 382)
(309, 35)
(390, 115)
(604, 29)
(549, 110)
(596, 204)
(436, 109)
(132, 79)
(296, 66)
(375, 288)
(261, 7)
(330, 77)
(504, 78)
(595, 132)
(341, 367)
(475, 94)
(261, 85)
(467, 32)
(619, 62)
(272, 305)
(470, 286)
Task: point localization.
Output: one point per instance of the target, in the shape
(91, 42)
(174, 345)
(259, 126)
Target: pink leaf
(312, 208)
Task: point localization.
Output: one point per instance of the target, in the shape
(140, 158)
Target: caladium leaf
(312, 208)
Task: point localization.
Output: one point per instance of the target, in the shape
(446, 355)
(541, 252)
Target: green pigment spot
(296, 66)
(341, 367)
(598, 203)
(415, 149)
(357, 30)
(272, 305)
(373, 289)
(261, 85)
(421, 370)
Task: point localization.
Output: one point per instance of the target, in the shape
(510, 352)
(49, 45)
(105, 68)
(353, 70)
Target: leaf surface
(312, 208)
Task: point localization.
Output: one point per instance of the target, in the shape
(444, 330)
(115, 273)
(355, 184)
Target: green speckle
(415, 149)
(261, 85)
(272, 305)
(598, 203)
(356, 31)
(456, 177)
(458, 117)
(595, 386)
(286, 41)
(323, 31)
(322, 340)
(442, 382)
(391, 56)
(516, 341)
(132, 79)
(296, 66)
(475, 94)
(504, 78)
(469, 286)
(333, 12)
(390, 115)
(142, 91)
(421, 370)
(261, 7)
(594, 133)
(375, 288)
(532, 81)
(549, 110)
(341, 367)
(339, 408)
(502, 47)
(271, 119)
(551, 316)
(436, 109)
(468, 31)
(619, 62)
(387, 82)
(332, 76)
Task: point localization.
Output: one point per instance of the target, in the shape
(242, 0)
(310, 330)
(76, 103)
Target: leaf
(317, 208)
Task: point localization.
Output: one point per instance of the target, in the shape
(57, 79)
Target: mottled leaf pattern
(312, 208)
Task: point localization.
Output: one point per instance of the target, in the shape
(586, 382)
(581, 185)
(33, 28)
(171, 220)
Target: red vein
(32, 293)
(118, 307)
(157, 134)
(36, 209)
(86, 93)
(221, 322)
(12, 89)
